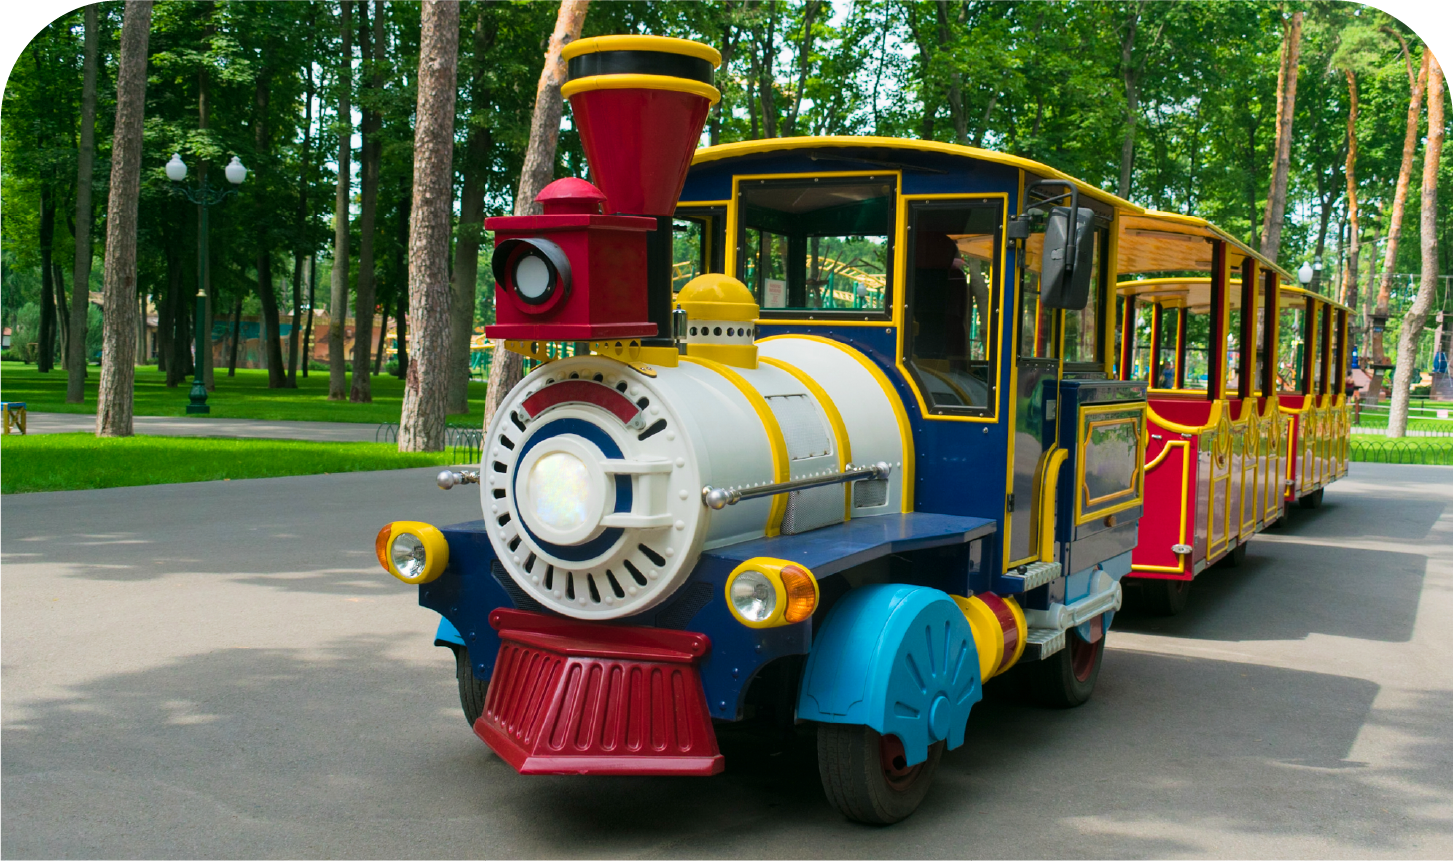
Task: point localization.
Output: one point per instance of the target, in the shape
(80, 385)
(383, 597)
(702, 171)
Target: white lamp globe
(176, 170)
(1304, 274)
(236, 173)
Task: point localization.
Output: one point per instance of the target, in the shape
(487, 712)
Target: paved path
(223, 670)
(177, 426)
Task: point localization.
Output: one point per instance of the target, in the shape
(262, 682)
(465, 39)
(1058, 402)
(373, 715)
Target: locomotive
(854, 425)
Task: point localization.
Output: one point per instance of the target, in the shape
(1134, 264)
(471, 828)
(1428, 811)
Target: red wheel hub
(896, 770)
(1082, 657)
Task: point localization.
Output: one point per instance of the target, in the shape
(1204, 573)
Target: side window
(1195, 360)
(953, 301)
(1082, 327)
(1037, 324)
(1164, 362)
(817, 245)
(1291, 333)
(696, 243)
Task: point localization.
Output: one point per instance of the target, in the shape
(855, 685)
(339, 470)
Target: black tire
(1161, 597)
(851, 762)
(1312, 500)
(1237, 557)
(471, 690)
(1067, 678)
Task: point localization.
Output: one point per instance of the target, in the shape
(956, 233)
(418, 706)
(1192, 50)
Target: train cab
(1246, 407)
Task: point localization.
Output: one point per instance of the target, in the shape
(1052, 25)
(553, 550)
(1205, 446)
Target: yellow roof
(1195, 293)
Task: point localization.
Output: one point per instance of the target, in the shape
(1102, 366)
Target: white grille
(813, 509)
(802, 426)
(870, 492)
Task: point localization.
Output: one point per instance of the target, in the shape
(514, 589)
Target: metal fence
(463, 443)
(1413, 451)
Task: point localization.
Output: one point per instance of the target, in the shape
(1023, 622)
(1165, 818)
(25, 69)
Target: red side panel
(1170, 498)
(583, 392)
(580, 698)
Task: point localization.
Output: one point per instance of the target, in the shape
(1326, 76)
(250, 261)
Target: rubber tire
(1052, 682)
(1162, 597)
(471, 690)
(854, 781)
(1312, 500)
(1237, 557)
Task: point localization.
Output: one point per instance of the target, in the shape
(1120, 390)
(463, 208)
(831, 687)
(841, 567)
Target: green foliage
(81, 461)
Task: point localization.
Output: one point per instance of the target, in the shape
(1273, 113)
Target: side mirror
(1064, 275)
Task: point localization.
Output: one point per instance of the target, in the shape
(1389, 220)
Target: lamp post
(1304, 274)
(204, 196)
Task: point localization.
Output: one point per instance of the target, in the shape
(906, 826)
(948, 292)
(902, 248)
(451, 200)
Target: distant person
(1167, 375)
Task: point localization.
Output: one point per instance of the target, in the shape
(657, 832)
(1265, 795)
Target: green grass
(81, 461)
(245, 396)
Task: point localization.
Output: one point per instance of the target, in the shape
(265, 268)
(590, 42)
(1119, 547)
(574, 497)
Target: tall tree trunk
(63, 315)
(1400, 195)
(236, 336)
(338, 303)
(266, 289)
(118, 355)
(172, 317)
(370, 153)
(957, 115)
(506, 368)
(301, 229)
(1286, 101)
(1417, 314)
(766, 80)
(471, 223)
(809, 15)
(421, 424)
(85, 177)
(45, 358)
(1132, 103)
(1354, 230)
(382, 338)
(402, 335)
(312, 302)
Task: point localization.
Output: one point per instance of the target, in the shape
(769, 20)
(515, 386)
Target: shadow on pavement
(347, 751)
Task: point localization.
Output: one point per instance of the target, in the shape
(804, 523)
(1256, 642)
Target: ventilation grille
(685, 608)
(870, 493)
(813, 509)
(517, 595)
(802, 426)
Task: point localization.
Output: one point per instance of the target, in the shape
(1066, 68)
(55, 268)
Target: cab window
(817, 244)
(1082, 327)
(696, 243)
(953, 300)
(1038, 325)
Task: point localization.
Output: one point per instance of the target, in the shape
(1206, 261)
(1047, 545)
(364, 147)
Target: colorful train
(853, 426)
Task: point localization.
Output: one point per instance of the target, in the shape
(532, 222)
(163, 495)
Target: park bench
(14, 415)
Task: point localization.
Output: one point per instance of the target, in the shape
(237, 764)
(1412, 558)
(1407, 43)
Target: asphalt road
(222, 670)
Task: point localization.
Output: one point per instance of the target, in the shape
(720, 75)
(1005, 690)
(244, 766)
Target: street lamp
(204, 196)
(1304, 274)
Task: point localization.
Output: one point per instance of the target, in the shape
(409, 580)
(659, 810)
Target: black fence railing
(1412, 450)
(464, 443)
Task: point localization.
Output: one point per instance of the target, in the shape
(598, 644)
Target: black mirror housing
(1065, 272)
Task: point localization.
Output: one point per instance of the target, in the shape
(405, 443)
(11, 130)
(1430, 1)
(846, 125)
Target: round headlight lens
(753, 596)
(408, 555)
(532, 278)
(559, 486)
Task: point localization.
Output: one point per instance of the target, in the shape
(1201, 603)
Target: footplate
(572, 697)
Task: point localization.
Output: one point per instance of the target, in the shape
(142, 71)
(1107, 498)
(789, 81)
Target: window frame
(738, 229)
(1102, 297)
(910, 207)
(713, 233)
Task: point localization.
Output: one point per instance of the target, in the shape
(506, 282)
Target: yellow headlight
(412, 551)
(765, 593)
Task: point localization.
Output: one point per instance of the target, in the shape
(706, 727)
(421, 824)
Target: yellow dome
(714, 296)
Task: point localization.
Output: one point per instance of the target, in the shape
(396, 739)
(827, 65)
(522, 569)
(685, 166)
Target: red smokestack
(640, 103)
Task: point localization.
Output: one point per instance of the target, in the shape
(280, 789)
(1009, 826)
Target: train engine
(691, 523)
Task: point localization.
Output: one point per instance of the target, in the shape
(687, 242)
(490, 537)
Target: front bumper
(572, 697)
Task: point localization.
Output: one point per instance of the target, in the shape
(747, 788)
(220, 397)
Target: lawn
(81, 461)
(245, 396)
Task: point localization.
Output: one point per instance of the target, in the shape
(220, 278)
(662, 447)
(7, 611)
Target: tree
(506, 368)
(1417, 315)
(338, 304)
(370, 154)
(421, 425)
(1286, 101)
(118, 355)
(1131, 71)
(1416, 82)
(1354, 239)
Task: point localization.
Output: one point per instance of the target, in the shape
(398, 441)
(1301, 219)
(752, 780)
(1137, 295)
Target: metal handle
(719, 497)
(449, 478)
